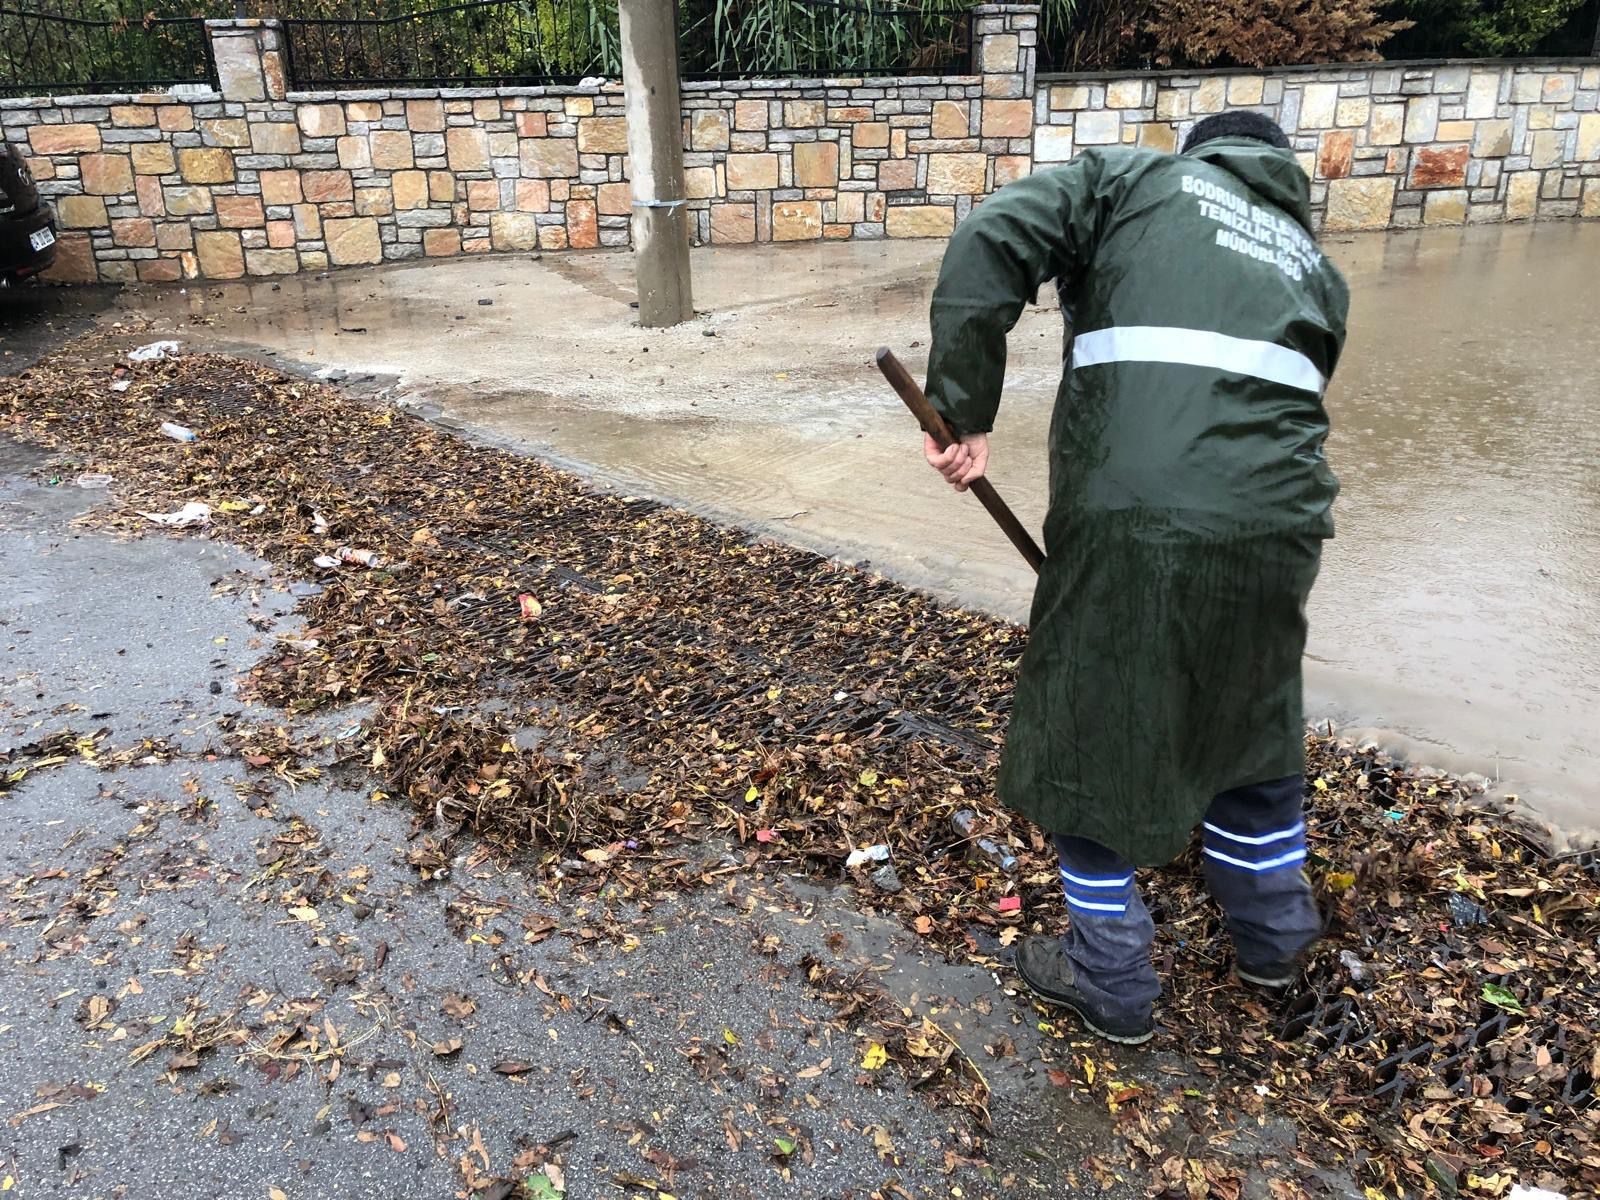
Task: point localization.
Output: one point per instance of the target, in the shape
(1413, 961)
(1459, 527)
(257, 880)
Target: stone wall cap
(700, 86)
(109, 98)
(241, 24)
(1342, 69)
(984, 10)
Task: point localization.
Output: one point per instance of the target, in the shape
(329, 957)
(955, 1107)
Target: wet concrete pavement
(224, 983)
(1456, 611)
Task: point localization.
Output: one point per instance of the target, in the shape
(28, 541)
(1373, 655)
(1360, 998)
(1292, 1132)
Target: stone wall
(258, 180)
(1387, 146)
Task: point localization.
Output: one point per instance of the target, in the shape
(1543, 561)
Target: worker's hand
(960, 462)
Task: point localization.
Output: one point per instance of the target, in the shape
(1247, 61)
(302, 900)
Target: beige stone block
(1052, 143)
(549, 157)
(898, 142)
(352, 241)
(118, 272)
(1172, 104)
(364, 110)
(1319, 105)
(153, 158)
(552, 237)
(816, 164)
(281, 187)
(708, 129)
(796, 221)
(1492, 138)
(133, 116)
(803, 114)
(233, 132)
(1422, 119)
(175, 118)
(998, 52)
(240, 212)
(603, 135)
(919, 220)
(205, 166)
(751, 172)
(616, 199)
(533, 195)
(425, 116)
(1456, 131)
(1159, 135)
(467, 149)
(502, 144)
(1352, 112)
(313, 260)
(483, 195)
(355, 153)
(1388, 124)
(106, 174)
(1445, 208)
(322, 187)
(174, 235)
(81, 212)
(63, 139)
(957, 174)
(1590, 205)
(873, 135)
(580, 106)
(1008, 168)
(750, 114)
(1073, 96)
(1101, 128)
(271, 262)
(160, 270)
(410, 189)
(701, 183)
(514, 231)
(850, 207)
(74, 260)
(441, 187)
(1246, 90)
(220, 254)
(1125, 93)
(1360, 203)
(1007, 118)
(187, 201)
(950, 120)
(533, 124)
(1483, 95)
(1561, 88)
(1547, 148)
(133, 231)
(1210, 97)
(485, 109)
(280, 234)
(733, 223)
(877, 202)
(441, 243)
(1522, 195)
(897, 175)
(1526, 88)
(275, 137)
(1589, 137)
(1540, 116)
(320, 120)
(390, 149)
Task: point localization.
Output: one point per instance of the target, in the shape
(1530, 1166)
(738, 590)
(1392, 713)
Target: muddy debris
(693, 686)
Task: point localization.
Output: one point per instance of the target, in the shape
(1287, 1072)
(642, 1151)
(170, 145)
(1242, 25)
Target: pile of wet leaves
(606, 687)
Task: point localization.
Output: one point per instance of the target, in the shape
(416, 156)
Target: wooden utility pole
(655, 160)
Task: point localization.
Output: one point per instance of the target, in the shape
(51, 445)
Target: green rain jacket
(1189, 495)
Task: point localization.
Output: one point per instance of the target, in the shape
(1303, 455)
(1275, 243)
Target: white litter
(861, 857)
(326, 561)
(191, 514)
(1518, 1192)
(152, 352)
(90, 480)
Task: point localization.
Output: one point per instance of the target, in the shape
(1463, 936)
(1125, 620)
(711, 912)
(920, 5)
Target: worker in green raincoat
(1189, 498)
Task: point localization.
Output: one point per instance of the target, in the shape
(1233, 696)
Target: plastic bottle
(178, 433)
(364, 558)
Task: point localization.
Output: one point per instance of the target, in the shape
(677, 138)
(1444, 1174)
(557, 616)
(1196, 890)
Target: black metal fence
(561, 41)
(92, 47)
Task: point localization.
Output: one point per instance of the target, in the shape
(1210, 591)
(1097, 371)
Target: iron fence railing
(481, 42)
(94, 47)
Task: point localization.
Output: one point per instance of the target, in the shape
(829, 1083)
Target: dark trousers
(1254, 841)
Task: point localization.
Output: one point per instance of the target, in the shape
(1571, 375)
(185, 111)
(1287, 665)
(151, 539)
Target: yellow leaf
(752, 795)
(276, 1194)
(869, 778)
(1088, 1070)
(1320, 784)
(730, 1037)
(1340, 882)
(303, 913)
(874, 1058)
(1373, 1193)
(232, 506)
(774, 692)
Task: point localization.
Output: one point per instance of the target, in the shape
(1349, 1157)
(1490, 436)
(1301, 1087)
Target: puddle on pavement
(1456, 608)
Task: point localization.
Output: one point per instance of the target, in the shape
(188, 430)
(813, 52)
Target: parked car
(27, 227)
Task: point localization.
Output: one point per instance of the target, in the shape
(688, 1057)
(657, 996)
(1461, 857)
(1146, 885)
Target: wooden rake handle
(934, 425)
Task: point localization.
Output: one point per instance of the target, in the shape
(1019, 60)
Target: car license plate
(42, 238)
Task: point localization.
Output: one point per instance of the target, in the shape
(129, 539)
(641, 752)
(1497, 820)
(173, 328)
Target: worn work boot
(1042, 964)
(1274, 976)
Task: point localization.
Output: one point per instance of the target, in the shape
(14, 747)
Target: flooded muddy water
(1459, 607)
